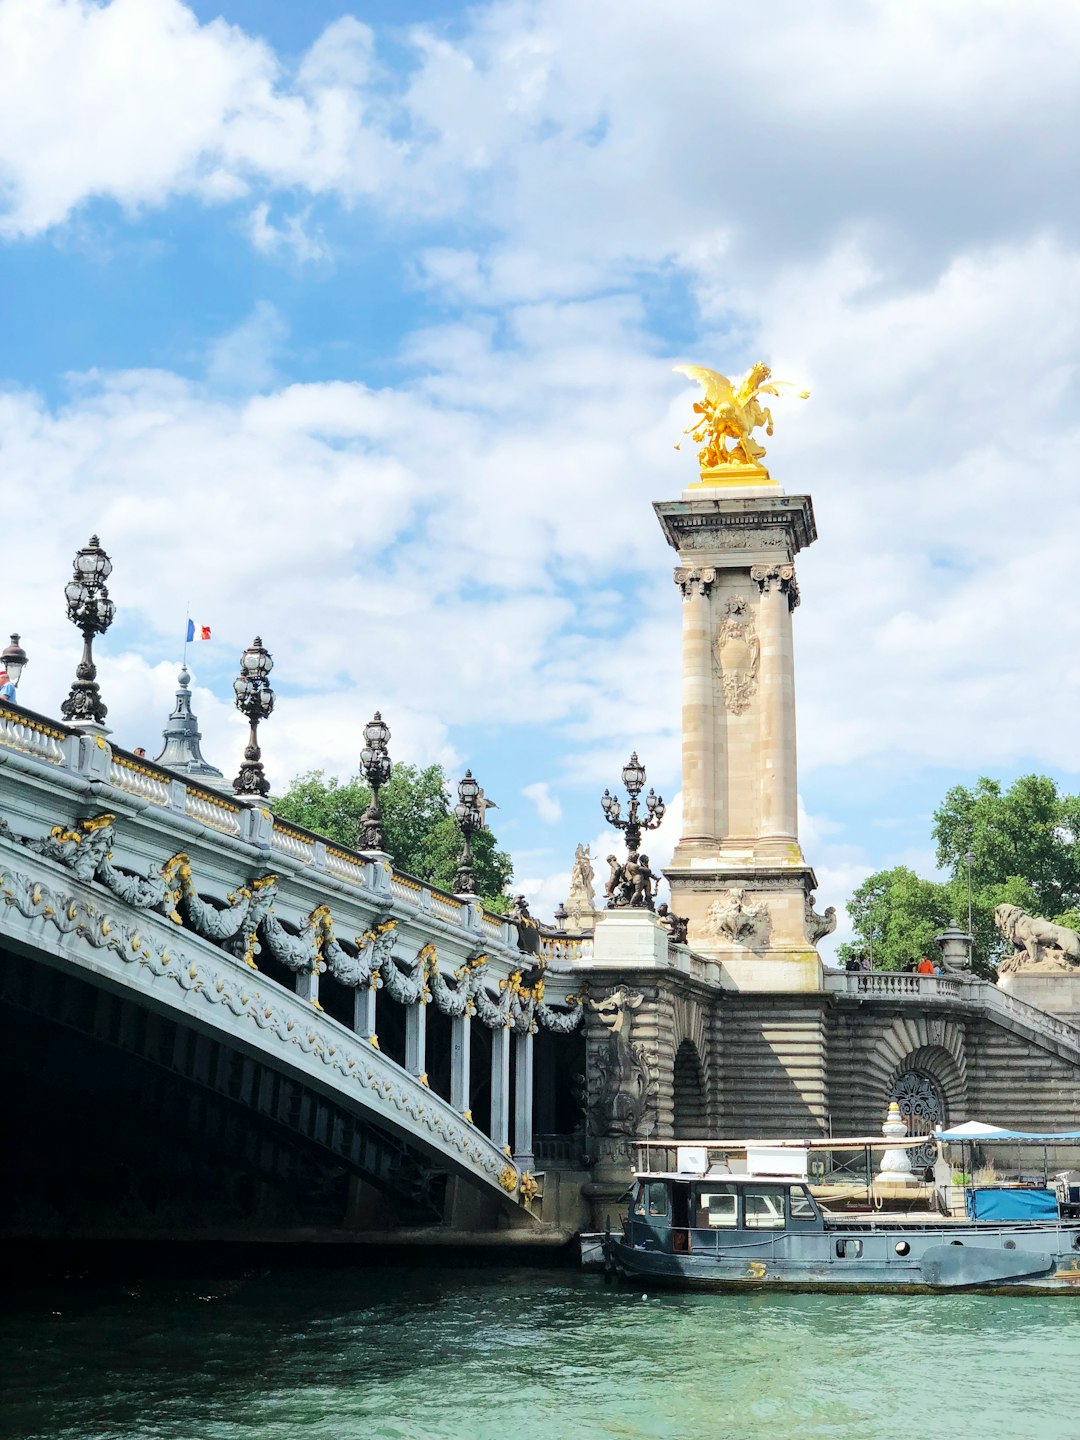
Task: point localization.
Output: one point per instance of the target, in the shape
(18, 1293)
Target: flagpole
(187, 629)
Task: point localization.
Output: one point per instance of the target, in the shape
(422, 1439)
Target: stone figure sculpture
(1037, 944)
(528, 929)
(675, 925)
(818, 926)
(731, 410)
(732, 917)
(619, 1080)
(582, 898)
(631, 882)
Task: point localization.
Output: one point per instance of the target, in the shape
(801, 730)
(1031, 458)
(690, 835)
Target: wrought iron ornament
(469, 817)
(254, 700)
(632, 882)
(375, 767)
(923, 1109)
(91, 611)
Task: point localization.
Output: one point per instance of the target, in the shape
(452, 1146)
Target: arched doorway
(922, 1105)
(691, 1118)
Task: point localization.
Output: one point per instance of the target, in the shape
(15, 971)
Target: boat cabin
(677, 1212)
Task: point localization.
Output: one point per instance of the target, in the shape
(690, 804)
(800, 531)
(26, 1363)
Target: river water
(288, 1350)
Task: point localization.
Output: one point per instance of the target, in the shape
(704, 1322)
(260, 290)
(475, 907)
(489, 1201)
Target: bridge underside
(121, 1121)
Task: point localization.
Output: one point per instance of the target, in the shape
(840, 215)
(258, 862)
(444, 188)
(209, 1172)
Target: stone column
(460, 1060)
(776, 697)
(700, 821)
(500, 1087)
(523, 1102)
(364, 1011)
(416, 1038)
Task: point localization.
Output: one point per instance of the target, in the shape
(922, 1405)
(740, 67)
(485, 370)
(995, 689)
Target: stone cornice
(718, 524)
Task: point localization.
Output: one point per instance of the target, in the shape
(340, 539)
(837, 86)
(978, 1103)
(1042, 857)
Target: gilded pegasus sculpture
(731, 410)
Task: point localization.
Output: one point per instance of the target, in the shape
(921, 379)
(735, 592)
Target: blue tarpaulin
(1012, 1205)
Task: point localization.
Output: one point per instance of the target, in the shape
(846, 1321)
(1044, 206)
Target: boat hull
(943, 1266)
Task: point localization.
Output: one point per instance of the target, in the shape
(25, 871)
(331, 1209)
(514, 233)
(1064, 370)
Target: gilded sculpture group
(731, 410)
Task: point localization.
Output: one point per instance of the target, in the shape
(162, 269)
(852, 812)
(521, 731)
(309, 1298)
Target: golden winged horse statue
(731, 410)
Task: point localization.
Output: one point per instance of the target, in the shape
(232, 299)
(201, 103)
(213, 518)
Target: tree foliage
(1024, 844)
(422, 837)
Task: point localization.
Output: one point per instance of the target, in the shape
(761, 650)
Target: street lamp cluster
(91, 611)
(632, 882)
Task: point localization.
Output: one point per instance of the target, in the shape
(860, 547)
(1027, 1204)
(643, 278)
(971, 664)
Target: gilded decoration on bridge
(246, 922)
(731, 411)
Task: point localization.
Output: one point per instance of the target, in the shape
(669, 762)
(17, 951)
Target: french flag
(197, 632)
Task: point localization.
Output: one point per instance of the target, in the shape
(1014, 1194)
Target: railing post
(523, 1101)
(460, 1060)
(500, 1087)
(416, 1038)
(307, 985)
(364, 1011)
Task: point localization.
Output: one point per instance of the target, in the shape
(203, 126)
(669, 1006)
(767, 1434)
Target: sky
(352, 326)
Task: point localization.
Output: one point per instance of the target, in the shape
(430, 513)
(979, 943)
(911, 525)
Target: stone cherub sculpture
(631, 882)
(1037, 944)
(731, 410)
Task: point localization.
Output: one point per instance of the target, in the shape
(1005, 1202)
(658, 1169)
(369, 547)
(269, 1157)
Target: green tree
(1030, 832)
(1025, 849)
(422, 837)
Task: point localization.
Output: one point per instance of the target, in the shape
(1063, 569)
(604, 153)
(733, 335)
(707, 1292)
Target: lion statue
(1037, 944)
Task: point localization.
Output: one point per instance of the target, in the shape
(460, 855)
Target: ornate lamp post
(375, 767)
(469, 817)
(14, 659)
(255, 700)
(632, 883)
(90, 610)
(634, 779)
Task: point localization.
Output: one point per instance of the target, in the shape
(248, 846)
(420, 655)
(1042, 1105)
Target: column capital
(778, 577)
(694, 581)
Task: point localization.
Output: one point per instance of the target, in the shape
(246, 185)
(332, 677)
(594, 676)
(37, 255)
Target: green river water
(289, 1350)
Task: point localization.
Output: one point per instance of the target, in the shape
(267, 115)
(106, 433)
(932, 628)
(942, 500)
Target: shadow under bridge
(169, 1085)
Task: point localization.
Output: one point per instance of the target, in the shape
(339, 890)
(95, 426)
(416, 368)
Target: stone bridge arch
(871, 1056)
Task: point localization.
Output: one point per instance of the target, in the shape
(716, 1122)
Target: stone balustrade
(894, 985)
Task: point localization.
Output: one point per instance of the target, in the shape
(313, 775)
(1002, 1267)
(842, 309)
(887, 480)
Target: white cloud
(547, 805)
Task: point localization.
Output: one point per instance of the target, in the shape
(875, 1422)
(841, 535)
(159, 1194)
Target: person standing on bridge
(7, 688)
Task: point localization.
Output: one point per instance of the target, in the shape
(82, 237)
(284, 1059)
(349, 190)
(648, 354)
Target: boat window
(655, 1199)
(801, 1205)
(849, 1249)
(718, 1208)
(764, 1209)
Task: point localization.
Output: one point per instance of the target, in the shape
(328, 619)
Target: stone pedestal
(1057, 993)
(629, 938)
(738, 871)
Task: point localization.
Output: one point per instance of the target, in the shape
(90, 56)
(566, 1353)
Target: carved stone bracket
(692, 581)
(769, 577)
(818, 926)
(619, 1077)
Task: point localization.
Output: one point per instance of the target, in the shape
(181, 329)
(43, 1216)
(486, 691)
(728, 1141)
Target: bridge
(210, 1002)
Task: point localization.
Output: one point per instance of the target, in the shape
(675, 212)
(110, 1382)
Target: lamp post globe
(255, 701)
(468, 816)
(14, 659)
(92, 612)
(375, 765)
(632, 883)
